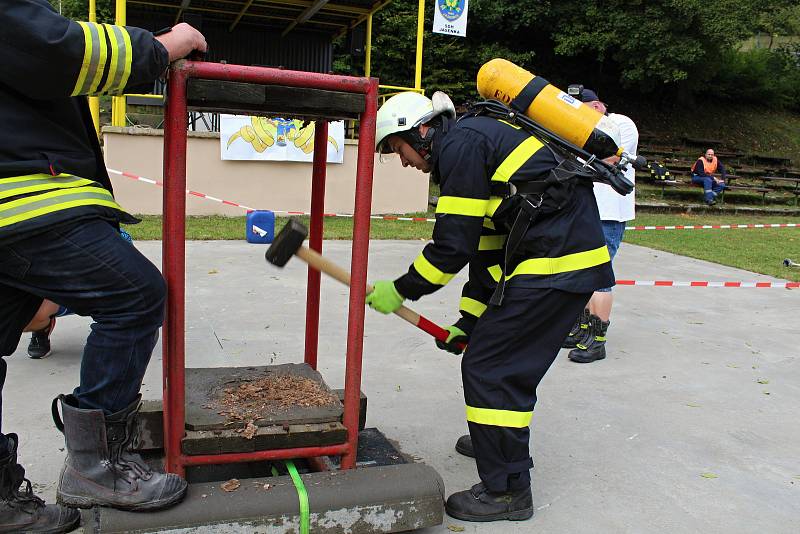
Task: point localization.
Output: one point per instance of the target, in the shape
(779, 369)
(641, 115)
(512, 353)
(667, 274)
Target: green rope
(302, 495)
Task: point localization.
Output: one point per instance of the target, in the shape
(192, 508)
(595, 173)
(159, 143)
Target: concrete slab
(620, 446)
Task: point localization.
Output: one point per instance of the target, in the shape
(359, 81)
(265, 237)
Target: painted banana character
(261, 134)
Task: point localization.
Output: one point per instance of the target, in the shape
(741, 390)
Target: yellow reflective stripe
(516, 159)
(116, 50)
(30, 178)
(431, 273)
(472, 306)
(492, 242)
(23, 209)
(472, 207)
(45, 184)
(58, 207)
(508, 123)
(488, 223)
(87, 58)
(101, 62)
(492, 205)
(128, 59)
(506, 418)
(562, 264)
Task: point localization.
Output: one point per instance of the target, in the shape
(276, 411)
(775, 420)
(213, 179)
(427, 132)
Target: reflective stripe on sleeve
(472, 306)
(524, 151)
(119, 69)
(101, 61)
(89, 59)
(506, 418)
(492, 242)
(430, 272)
(472, 207)
(562, 264)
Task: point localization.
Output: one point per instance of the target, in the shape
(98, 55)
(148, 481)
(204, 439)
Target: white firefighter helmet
(408, 110)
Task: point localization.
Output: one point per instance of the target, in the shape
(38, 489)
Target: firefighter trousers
(509, 351)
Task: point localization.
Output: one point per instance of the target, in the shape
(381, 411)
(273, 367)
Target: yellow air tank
(557, 111)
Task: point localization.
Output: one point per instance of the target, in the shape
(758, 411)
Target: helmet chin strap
(422, 143)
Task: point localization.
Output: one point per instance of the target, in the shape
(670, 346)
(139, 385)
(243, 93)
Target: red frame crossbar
(174, 254)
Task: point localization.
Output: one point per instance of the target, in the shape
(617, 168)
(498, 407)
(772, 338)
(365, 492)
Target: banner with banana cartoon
(275, 139)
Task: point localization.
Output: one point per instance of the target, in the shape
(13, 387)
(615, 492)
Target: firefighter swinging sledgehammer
(530, 232)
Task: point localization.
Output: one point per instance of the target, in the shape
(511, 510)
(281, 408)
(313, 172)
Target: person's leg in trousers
(91, 270)
(509, 352)
(706, 182)
(20, 509)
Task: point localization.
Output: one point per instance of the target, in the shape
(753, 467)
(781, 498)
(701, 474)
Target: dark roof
(327, 16)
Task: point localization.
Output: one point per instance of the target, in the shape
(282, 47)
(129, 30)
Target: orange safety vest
(710, 167)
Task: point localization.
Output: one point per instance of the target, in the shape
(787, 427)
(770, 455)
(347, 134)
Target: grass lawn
(758, 250)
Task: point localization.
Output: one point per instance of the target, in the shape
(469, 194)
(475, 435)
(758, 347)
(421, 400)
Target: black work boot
(39, 346)
(579, 331)
(100, 471)
(479, 504)
(464, 446)
(20, 509)
(594, 347)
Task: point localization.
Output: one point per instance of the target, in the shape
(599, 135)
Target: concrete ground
(690, 425)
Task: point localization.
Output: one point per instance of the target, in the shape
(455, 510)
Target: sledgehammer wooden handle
(320, 263)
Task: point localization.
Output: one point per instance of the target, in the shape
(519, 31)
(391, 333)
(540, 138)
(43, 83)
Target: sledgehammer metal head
(286, 243)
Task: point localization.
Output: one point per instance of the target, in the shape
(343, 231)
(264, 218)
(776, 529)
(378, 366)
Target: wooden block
(266, 438)
(204, 385)
(273, 100)
(362, 412)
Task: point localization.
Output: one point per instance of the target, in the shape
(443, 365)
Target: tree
(79, 9)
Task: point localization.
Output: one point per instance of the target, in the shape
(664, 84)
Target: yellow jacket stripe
(89, 60)
(492, 242)
(117, 50)
(101, 61)
(97, 53)
(34, 206)
(491, 207)
(430, 272)
(562, 264)
(42, 182)
(472, 306)
(506, 418)
(471, 207)
(522, 153)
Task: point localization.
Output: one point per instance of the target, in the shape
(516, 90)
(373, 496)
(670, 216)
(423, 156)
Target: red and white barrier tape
(674, 283)
(424, 219)
(713, 226)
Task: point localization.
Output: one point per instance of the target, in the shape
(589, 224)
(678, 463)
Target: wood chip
(231, 485)
(246, 402)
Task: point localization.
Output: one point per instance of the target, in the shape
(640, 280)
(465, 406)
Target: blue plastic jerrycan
(260, 226)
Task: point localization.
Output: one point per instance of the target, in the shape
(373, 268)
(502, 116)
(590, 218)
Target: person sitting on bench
(704, 173)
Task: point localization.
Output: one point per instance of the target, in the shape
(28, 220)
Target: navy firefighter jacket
(564, 249)
(51, 165)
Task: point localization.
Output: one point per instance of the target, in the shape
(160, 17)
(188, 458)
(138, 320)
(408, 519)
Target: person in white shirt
(588, 337)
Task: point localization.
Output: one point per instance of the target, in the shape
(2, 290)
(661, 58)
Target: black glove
(456, 337)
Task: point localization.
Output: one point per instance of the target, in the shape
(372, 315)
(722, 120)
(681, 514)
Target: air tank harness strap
(526, 216)
(525, 98)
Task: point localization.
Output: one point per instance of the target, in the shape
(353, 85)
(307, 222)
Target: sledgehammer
(289, 242)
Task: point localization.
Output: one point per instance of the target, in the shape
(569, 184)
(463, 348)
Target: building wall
(284, 186)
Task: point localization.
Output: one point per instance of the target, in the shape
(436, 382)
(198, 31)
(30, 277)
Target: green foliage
(760, 76)
(79, 9)
(668, 47)
(656, 42)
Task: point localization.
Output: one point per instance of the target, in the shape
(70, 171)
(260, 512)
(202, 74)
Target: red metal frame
(174, 254)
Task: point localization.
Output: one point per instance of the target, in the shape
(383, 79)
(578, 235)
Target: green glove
(384, 297)
(456, 336)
